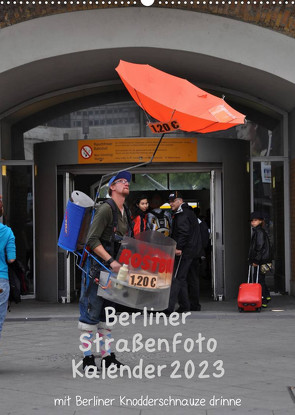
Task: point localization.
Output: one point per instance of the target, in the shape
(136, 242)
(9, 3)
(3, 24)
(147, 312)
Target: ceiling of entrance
(45, 83)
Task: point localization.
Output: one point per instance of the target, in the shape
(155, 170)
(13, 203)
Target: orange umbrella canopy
(166, 97)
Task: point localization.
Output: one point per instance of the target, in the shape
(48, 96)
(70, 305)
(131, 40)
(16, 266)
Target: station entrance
(218, 180)
(201, 189)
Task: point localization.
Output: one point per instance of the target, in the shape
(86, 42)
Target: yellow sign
(137, 150)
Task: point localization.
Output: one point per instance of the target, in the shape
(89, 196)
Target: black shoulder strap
(130, 222)
(115, 216)
(115, 213)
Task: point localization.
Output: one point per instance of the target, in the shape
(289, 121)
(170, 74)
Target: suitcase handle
(249, 271)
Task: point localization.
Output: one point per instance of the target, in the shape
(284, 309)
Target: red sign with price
(163, 127)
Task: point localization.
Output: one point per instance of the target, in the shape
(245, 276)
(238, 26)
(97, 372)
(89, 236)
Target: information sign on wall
(136, 150)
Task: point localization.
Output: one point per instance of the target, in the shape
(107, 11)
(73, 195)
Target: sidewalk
(40, 343)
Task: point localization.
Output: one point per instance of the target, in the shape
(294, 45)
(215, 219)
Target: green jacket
(102, 226)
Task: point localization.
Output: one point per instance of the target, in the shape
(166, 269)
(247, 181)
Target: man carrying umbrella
(186, 233)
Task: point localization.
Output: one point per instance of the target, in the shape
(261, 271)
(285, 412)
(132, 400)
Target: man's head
(175, 200)
(256, 218)
(120, 183)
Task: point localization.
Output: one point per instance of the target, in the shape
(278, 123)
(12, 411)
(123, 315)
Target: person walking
(186, 233)
(7, 256)
(104, 241)
(260, 252)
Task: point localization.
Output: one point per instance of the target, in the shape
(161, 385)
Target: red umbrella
(175, 102)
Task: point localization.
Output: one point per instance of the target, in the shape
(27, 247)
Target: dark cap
(175, 195)
(121, 175)
(257, 215)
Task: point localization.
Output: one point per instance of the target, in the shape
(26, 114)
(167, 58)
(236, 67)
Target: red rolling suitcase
(250, 293)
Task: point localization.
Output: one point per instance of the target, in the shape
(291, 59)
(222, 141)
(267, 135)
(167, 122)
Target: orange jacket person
(140, 216)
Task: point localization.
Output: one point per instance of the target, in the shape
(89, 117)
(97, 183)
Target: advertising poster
(163, 325)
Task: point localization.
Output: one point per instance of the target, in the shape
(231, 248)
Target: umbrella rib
(172, 114)
(146, 114)
(205, 128)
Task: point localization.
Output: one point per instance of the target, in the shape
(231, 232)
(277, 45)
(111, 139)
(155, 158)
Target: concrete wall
(47, 157)
(233, 154)
(85, 47)
(130, 27)
(278, 17)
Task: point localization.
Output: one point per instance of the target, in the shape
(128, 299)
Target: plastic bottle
(122, 275)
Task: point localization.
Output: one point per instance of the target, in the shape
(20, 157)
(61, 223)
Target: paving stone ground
(256, 351)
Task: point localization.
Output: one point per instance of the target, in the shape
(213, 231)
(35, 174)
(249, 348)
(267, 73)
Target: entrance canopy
(67, 64)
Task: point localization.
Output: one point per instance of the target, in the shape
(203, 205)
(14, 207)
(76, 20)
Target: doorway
(201, 188)
(17, 193)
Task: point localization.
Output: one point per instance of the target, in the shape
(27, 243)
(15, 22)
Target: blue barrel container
(71, 226)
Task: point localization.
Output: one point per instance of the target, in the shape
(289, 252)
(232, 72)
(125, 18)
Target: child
(260, 252)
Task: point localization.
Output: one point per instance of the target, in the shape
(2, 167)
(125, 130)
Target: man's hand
(178, 252)
(115, 266)
(101, 252)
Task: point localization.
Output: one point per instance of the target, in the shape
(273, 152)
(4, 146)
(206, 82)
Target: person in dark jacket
(260, 252)
(140, 215)
(198, 264)
(186, 233)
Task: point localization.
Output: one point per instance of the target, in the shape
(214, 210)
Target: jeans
(92, 306)
(4, 295)
(265, 290)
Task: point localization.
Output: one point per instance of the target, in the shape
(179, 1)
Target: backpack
(158, 221)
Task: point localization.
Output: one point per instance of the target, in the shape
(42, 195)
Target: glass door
(66, 263)
(217, 247)
(269, 198)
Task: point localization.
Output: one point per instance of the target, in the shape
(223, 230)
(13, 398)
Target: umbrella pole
(85, 252)
(109, 175)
